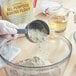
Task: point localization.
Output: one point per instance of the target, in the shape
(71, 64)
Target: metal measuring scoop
(36, 25)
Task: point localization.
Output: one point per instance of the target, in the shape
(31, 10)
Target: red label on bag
(34, 4)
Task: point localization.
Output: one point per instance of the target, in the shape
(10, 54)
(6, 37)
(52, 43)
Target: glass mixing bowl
(56, 50)
(74, 36)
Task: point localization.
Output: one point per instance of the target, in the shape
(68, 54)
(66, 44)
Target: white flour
(35, 61)
(37, 35)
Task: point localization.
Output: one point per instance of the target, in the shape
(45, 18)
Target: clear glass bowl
(56, 50)
(74, 36)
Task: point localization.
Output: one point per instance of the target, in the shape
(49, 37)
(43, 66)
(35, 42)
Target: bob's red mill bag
(17, 11)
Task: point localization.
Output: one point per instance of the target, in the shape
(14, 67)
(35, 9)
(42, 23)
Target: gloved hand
(7, 29)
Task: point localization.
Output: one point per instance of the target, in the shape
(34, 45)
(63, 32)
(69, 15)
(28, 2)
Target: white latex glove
(7, 29)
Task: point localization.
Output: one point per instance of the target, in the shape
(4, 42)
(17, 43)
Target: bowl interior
(54, 50)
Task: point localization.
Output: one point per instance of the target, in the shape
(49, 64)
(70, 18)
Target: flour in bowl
(35, 62)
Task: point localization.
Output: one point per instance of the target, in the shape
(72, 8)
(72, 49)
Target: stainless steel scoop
(35, 25)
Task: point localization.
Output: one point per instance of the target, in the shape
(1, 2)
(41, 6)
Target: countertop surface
(68, 33)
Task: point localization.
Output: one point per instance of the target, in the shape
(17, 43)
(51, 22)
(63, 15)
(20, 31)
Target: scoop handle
(21, 31)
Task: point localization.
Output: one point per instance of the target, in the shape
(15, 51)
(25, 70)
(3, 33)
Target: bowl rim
(74, 36)
(45, 66)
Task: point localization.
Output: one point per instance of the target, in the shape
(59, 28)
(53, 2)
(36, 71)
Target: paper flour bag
(17, 11)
